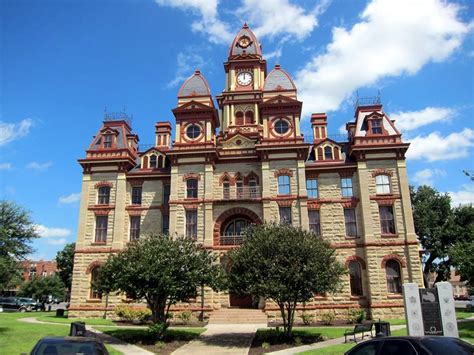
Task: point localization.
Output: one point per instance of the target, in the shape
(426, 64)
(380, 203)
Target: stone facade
(247, 162)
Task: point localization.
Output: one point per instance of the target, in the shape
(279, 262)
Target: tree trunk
(283, 316)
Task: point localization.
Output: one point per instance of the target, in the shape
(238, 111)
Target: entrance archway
(234, 221)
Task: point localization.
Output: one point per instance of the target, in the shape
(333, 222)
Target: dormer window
(153, 162)
(376, 126)
(108, 141)
(327, 153)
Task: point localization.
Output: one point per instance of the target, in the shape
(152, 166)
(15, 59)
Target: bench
(359, 328)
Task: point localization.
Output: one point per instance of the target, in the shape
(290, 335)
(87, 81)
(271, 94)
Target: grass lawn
(172, 340)
(19, 337)
(463, 313)
(51, 317)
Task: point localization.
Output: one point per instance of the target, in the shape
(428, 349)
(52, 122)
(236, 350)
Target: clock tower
(245, 76)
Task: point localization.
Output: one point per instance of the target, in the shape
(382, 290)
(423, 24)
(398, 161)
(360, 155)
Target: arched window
(239, 187)
(226, 189)
(239, 118)
(394, 279)
(94, 294)
(327, 153)
(236, 227)
(103, 195)
(355, 278)
(160, 162)
(191, 188)
(249, 117)
(153, 161)
(281, 126)
(253, 188)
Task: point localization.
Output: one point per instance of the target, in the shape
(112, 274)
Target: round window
(193, 131)
(281, 126)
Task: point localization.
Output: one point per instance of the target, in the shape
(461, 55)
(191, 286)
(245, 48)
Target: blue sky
(63, 62)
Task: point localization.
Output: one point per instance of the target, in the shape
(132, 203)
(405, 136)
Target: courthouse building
(242, 159)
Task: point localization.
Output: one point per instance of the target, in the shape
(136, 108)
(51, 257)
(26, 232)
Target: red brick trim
(136, 182)
(386, 305)
(226, 176)
(134, 212)
(283, 171)
(96, 250)
(101, 210)
(351, 203)
(356, 258)
(395, 296)
(93, 265)
(284, 203)
(103, 183)
(102, 308)
(191, 206)
(314, 205)
(385, 200)
(396, 257)
(233, 212)
(191, 176)
(373, 244)
(382, 172)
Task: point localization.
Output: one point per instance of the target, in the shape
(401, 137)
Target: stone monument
(430, 311)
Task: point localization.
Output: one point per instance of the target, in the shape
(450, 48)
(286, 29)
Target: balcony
(231, 239)
(241, 193)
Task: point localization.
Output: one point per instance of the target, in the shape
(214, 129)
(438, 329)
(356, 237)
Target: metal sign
(432, 321)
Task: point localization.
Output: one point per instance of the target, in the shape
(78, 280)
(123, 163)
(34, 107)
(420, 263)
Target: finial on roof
(245, 25)
(197, 72)
(277, 66)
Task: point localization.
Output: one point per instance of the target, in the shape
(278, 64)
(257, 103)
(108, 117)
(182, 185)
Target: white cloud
(12, 131)
(342, 129)
(60, 241)
(209, 22)
(71, 198)
(280, 17)
(6, 166)
(437, 147)
(39, 166)
(427, 176)
(462, 197)
(187, 63)
(410, 120)
(47, 232)
(392, 38)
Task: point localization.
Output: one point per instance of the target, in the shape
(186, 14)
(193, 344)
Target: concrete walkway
(115, 343)
(222, 339)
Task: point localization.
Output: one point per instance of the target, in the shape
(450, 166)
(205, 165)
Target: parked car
(69, 345)
(14, 304)
(29, 302)
(470, 303)
(429, 345)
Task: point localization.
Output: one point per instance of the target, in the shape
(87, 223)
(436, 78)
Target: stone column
(120, 214)
(302, 203)
(208, 210)
(266, 178)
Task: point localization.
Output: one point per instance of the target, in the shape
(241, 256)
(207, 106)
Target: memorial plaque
(430, 310)
(413, 314)
(448, 312)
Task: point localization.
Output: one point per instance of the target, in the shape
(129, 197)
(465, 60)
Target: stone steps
(238, 316)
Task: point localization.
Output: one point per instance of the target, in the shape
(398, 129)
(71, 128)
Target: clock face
(244, 78)
(244, 42)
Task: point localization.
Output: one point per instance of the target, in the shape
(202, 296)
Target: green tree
(65, 264)
(286, 265)
(433, 219)
(17, 231)
(461, 253)
(40, 287)
(162, 270)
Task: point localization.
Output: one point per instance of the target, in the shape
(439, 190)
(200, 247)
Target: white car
(470, 303)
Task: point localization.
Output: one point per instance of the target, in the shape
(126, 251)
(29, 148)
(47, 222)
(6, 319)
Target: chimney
(319, 125)
(163, 134)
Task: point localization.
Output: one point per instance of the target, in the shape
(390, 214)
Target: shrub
(130, 314)
(185, 316)
(157, 330)
(307, 318)
(328, 318)
(355, 315)
(265, 345)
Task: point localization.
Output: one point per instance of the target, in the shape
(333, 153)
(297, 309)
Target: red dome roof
(245, 43)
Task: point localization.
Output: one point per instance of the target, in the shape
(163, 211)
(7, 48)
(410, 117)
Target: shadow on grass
(142, 336)
(3, 329)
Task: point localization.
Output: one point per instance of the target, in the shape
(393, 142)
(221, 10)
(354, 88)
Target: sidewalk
(222, 339)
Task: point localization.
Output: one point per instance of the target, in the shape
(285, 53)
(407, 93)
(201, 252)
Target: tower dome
(245, 43)
(195, 85)
(278, 80)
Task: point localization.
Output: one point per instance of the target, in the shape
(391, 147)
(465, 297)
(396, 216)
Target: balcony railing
(239, 193)
(231, 239)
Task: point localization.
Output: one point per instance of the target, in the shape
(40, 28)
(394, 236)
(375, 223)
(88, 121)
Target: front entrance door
(241, 301)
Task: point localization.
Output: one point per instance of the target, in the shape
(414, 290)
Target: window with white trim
(382, 184)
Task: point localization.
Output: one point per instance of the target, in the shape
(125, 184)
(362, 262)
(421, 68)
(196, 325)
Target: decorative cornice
(191, 176)
(103, 183)
(382, 172)
(283, 171)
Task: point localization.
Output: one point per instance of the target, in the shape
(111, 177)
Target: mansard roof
(253, 48)
(195, 85)
(278, 80)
